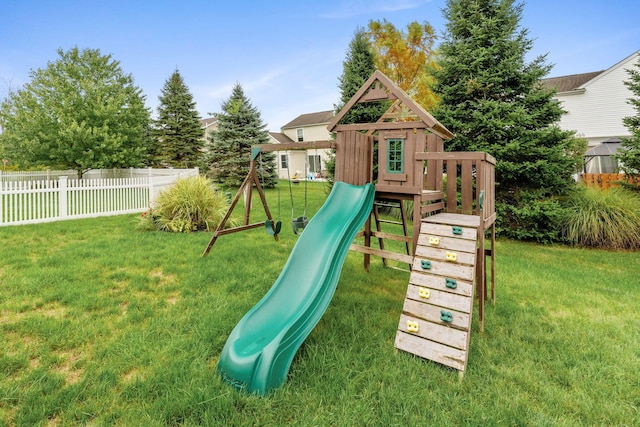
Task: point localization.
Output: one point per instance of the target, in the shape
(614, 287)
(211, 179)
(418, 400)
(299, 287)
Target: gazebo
(600, 159)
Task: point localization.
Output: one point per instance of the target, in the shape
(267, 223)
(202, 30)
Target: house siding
(597, 112)
(298, 159)
(317, 132)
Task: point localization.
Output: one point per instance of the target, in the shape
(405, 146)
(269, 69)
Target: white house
(311, 127)
(596, 103)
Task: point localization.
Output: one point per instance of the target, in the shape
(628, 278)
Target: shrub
(190, 204)
(608, 219)
(530, 216)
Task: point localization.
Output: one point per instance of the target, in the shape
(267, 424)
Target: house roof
(570, 82)
(606, 148)
(281, 137)
(310, 119)
(209, 121)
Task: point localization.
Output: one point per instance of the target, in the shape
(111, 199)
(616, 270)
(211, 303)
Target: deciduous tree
(79, 112)
(406, 57)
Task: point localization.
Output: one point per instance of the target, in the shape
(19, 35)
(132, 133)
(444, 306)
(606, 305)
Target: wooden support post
(367, 243)
(493, 263)
(247, 185)
(480, 276)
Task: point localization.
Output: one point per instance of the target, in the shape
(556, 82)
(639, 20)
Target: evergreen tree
(629, 154)
(493, 101)
(358, 66)
(178, 134)
(79, 112)
(240, 126)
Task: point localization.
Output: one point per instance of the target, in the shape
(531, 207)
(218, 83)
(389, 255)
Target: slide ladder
(436, 317)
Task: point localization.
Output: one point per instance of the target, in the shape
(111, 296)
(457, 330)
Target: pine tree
(629, 154)
(178, 132)
(358, 66)
(240, 126)
(493, 101)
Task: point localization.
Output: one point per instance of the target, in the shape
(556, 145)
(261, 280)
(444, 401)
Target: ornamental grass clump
(190, 204)
(607, 219)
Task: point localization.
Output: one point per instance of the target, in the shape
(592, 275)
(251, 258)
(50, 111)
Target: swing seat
(275, 230)
(299, 224)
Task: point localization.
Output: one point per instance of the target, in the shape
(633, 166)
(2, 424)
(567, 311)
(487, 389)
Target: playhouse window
(395, 155)
(284, 161)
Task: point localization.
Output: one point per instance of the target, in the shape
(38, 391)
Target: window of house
(284, 161)
(395, 155)
(299, 134)
(315, 163)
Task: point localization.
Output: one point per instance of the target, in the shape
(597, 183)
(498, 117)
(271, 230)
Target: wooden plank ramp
(436, 317)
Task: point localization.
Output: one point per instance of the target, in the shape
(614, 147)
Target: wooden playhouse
(445, 248)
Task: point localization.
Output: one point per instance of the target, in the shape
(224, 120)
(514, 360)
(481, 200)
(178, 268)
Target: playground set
(446, 250)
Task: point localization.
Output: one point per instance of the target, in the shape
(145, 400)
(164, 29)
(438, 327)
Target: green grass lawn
(105, 325)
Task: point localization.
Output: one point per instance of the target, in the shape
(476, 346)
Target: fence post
(62, 197)
(1, 199)
(150, 180)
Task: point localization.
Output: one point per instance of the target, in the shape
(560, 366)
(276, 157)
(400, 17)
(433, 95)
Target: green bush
(191, 204)
(608, 219)
(530, 216)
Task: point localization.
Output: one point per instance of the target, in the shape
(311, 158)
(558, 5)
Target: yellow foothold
(451, 256)
(423, 293)
(434, 241)
(412, 326)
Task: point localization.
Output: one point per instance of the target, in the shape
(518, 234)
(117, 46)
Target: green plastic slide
(259, 351)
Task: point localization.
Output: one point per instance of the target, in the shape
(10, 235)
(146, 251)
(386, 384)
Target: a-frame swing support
(247, 186)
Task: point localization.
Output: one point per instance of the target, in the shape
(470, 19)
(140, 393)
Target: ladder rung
(386, 221)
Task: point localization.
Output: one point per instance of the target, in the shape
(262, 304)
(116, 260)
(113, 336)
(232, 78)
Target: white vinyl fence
(31, 199)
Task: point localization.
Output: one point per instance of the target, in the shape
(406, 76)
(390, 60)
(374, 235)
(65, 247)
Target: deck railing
(470, 182)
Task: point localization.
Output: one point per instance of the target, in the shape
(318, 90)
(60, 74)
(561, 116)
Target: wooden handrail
(456, 155)
(470, 183)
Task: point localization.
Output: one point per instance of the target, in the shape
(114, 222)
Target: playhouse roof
(378, 88)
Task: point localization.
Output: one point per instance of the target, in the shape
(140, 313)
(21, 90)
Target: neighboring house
(208, 124)
(311, 127)
(596, 103)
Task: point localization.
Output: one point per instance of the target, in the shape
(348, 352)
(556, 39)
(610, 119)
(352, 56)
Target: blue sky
(287, 55)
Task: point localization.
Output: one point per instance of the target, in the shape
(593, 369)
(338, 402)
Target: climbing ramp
(436, 317)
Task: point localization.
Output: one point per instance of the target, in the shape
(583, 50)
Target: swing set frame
(246, 187)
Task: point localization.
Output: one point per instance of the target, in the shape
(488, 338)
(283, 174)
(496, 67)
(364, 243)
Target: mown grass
(104, 325)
